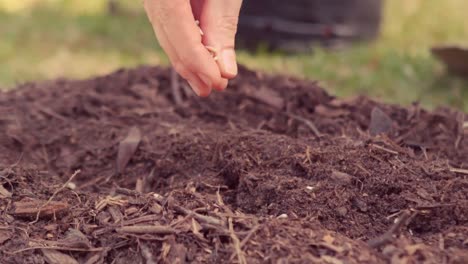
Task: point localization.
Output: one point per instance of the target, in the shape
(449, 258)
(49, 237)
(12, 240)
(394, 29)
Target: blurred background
(44, 39)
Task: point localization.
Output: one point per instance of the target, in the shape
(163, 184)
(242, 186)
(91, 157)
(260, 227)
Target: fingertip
(201, 89)
(228, 64)
(221, 85)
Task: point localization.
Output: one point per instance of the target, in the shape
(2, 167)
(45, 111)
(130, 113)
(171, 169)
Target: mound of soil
(274, 170)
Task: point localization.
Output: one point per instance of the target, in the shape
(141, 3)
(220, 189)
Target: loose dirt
(273, 170)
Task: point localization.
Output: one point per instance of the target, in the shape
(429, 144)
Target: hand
(175, 25)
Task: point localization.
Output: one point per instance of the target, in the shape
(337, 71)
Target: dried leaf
(4, 193)
(127, 148)
(95, 258)
(380, 122)
(31, 208)
(75, 239)
(454, 57)
(55, 257)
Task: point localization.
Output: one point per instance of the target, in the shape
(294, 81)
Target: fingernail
(195, 87)
(228, 60)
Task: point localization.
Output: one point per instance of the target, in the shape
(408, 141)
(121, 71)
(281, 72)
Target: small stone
(341, 177)
(342, 211)
(361, 205)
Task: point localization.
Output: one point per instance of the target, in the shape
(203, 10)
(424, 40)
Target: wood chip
(380, 122)
(127, 148)
(32, 208)
(146, 229)
(4, 193)
(55, 257)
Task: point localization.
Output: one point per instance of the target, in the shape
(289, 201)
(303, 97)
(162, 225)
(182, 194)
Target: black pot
(296, 25)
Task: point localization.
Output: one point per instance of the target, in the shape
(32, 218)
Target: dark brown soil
(274, 170)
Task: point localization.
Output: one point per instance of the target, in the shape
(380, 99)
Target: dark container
(296, 25)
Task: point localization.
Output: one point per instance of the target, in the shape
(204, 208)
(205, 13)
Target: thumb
(218, 21)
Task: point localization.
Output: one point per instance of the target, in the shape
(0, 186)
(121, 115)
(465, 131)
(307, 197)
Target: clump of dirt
(131, 167)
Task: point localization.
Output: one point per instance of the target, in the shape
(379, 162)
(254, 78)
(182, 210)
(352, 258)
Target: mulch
(133, 168)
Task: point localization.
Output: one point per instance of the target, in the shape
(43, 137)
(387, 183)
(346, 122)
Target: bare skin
(198, 36)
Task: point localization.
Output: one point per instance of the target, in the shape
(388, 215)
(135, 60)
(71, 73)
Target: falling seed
(71, 186)
(283, 216)
(310, 188)
(213, 51)
(157, 196)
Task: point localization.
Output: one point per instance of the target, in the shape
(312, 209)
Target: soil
(125, 169)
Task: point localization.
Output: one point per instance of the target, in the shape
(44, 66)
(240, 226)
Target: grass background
(43, 39)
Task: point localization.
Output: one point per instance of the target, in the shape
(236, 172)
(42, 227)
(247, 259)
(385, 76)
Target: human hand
(175, 25)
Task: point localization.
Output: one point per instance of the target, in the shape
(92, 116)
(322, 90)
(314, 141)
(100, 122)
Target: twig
(54, 194)
(146, 229)
(51, 113)
(384, 149)
(388, 236)
(142, 219)
(197, 216)
(461, 171)
(245, 240)
(57, 248)
(237, 245)
(432, 206)
(307, 122)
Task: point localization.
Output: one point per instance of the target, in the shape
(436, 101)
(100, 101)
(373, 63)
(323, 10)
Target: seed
(213, 51)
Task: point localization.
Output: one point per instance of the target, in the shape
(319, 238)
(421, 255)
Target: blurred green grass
(43, 39)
